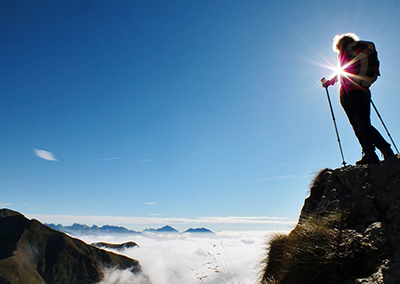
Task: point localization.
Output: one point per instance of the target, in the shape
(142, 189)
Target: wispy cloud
(5, 204)
(150, 203)
(46, 155)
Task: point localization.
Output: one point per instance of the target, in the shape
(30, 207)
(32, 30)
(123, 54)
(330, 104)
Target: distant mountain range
(79, 229)
(170, 230)
(165, 229)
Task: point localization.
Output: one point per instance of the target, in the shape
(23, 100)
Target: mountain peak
(4, 213)
(198, 230)
(165, 229)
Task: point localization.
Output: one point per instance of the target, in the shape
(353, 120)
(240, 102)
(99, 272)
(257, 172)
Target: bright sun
(339, 71)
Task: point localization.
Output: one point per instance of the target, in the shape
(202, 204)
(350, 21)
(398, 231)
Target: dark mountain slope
(33, 253)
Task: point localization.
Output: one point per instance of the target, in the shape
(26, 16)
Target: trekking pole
(387, 131)
(334, 122)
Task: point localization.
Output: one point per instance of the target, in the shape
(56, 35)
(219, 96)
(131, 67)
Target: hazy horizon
(215, 224)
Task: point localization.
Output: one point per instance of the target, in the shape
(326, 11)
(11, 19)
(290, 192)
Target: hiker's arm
(334, 80)
(325, 83)
(330, 82)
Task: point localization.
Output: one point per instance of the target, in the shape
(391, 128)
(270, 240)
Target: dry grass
(319, 250)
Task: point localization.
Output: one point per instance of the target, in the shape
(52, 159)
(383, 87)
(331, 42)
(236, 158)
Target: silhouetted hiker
(359, 69)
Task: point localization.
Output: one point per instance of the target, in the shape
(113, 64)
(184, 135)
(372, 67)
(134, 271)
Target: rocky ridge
(122, 246)
(348, 230)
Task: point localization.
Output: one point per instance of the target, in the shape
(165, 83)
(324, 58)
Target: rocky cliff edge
(348, 230)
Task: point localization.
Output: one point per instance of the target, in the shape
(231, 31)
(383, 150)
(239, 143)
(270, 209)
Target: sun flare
(339, 71)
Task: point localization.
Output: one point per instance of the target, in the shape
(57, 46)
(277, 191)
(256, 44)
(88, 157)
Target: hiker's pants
(357, 105)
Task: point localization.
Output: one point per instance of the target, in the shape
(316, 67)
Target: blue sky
(178, 112)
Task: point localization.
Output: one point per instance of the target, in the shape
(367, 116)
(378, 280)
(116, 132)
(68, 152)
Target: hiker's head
(341, 42)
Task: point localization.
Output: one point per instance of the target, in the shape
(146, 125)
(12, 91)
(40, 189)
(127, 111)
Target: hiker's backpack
(366, 63)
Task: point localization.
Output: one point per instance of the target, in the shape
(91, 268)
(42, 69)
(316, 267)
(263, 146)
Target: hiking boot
(387, 153)
(368, 158)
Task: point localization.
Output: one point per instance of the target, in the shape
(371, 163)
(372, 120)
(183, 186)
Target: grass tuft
(318, 250)
(221, 268)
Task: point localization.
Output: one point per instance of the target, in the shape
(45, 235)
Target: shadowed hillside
(348, 230)
(32, 253)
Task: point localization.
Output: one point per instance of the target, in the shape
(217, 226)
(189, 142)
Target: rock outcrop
(32, 253)
(122, 246)
(348, 230)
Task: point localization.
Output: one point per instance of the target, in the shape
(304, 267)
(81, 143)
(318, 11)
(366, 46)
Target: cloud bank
(228, 257)
(115, 276)
(44, 155)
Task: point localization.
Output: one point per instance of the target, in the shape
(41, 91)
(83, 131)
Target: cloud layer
(115, 276)
(229, 257)
(45, 155)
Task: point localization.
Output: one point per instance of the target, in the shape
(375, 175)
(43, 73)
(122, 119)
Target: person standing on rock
(359, 67)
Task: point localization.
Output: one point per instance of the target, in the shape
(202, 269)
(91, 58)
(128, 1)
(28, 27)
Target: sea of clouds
(224, 257)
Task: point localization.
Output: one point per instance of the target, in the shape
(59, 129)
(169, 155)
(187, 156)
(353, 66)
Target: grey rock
(368, 197)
